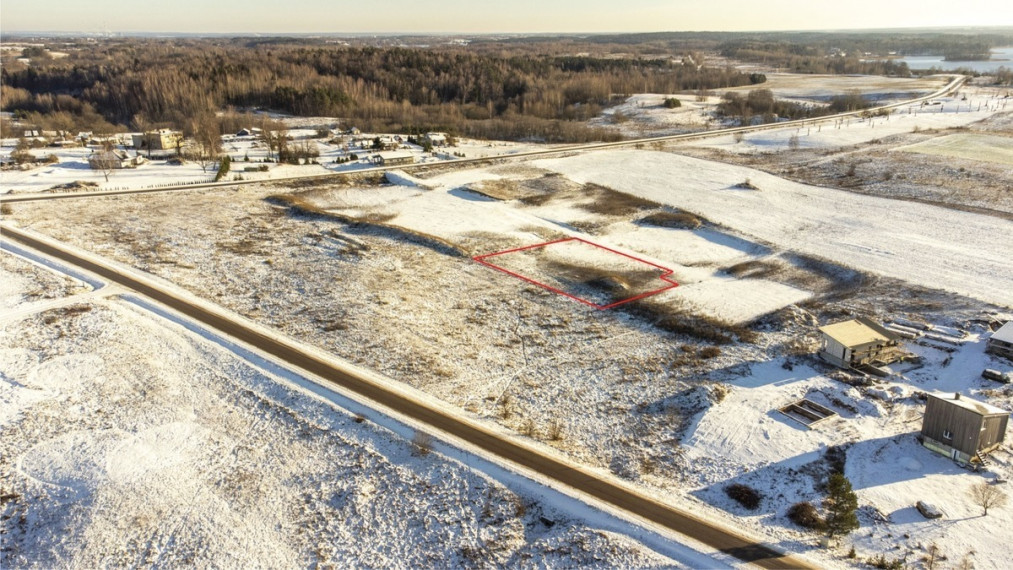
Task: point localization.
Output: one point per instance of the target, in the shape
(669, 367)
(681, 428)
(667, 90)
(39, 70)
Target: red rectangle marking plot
(604, 254)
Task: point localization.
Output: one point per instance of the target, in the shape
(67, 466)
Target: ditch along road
(512, 451)
(950, 87)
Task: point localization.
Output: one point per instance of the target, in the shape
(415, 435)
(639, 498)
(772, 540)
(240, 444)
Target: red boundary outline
(664, 276)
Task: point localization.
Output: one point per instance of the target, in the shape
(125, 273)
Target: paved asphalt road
(567, 473)
(953, 85)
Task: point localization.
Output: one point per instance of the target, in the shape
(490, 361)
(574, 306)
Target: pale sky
(491, 16)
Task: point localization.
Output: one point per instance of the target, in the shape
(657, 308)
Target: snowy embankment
(901, 239)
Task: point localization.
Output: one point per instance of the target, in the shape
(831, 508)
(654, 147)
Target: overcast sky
(491, 16)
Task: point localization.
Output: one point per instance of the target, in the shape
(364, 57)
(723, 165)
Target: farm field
(868, 156)
(644, 114)
(973, 146)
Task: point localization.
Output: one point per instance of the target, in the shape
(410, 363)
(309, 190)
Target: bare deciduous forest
(137, 83)
(523, 88)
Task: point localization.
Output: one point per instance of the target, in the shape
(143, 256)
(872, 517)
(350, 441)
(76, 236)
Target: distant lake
(1000, 57)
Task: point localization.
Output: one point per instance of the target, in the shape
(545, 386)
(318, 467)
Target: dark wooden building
(961, 428)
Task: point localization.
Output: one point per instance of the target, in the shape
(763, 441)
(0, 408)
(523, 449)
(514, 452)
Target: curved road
(565, 472)
(954, 84)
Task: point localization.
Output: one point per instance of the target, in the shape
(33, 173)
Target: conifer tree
(841, 505)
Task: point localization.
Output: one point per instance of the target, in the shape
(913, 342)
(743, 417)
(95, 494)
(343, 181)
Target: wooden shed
(1001, 341)
(962, 428)
(859, 342)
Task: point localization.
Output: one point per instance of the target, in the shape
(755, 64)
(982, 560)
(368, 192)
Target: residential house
(113, 159)
(860, 342)
(1001, 341)
(392, 158)
(962, 428)
(437, 139)
(161, 140)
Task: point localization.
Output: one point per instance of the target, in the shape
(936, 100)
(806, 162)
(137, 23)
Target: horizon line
(133, 33)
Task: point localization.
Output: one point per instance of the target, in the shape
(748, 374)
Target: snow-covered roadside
(79, 468)
(251, 160)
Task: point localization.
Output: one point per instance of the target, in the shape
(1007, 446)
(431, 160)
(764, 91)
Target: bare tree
(987, 496)
(106, 160)
(275, 136)
(208, 138)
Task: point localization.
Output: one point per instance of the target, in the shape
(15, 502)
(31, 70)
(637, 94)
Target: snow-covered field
(648, 404)
(823, 87)
(645, 115)
(129, 440)
(952, 112)
(928, 245)
(989, 148)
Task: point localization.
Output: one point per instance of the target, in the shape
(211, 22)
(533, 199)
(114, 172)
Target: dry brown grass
(554, 431)
(340, 180)
(609, 202)
(754, 269)
(54, 315)
(615, 284)
(536, 199)
(670, 317)
(502, 189)
(422, 444)
(300, 206)
(675, 220)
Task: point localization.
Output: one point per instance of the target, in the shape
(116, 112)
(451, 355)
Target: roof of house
(115, 154)
(1005, 333)
(394, 155)
(857, 332)
(977, 406)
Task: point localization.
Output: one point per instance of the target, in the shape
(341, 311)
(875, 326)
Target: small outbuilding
(859, 342)
(392, 158)
(1001, 341)
(962, 428)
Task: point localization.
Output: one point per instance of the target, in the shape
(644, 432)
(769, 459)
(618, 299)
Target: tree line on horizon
(133, 83)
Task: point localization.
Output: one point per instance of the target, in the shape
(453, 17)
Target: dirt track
(559, 470)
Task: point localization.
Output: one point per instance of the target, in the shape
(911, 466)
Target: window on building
(947, 434)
